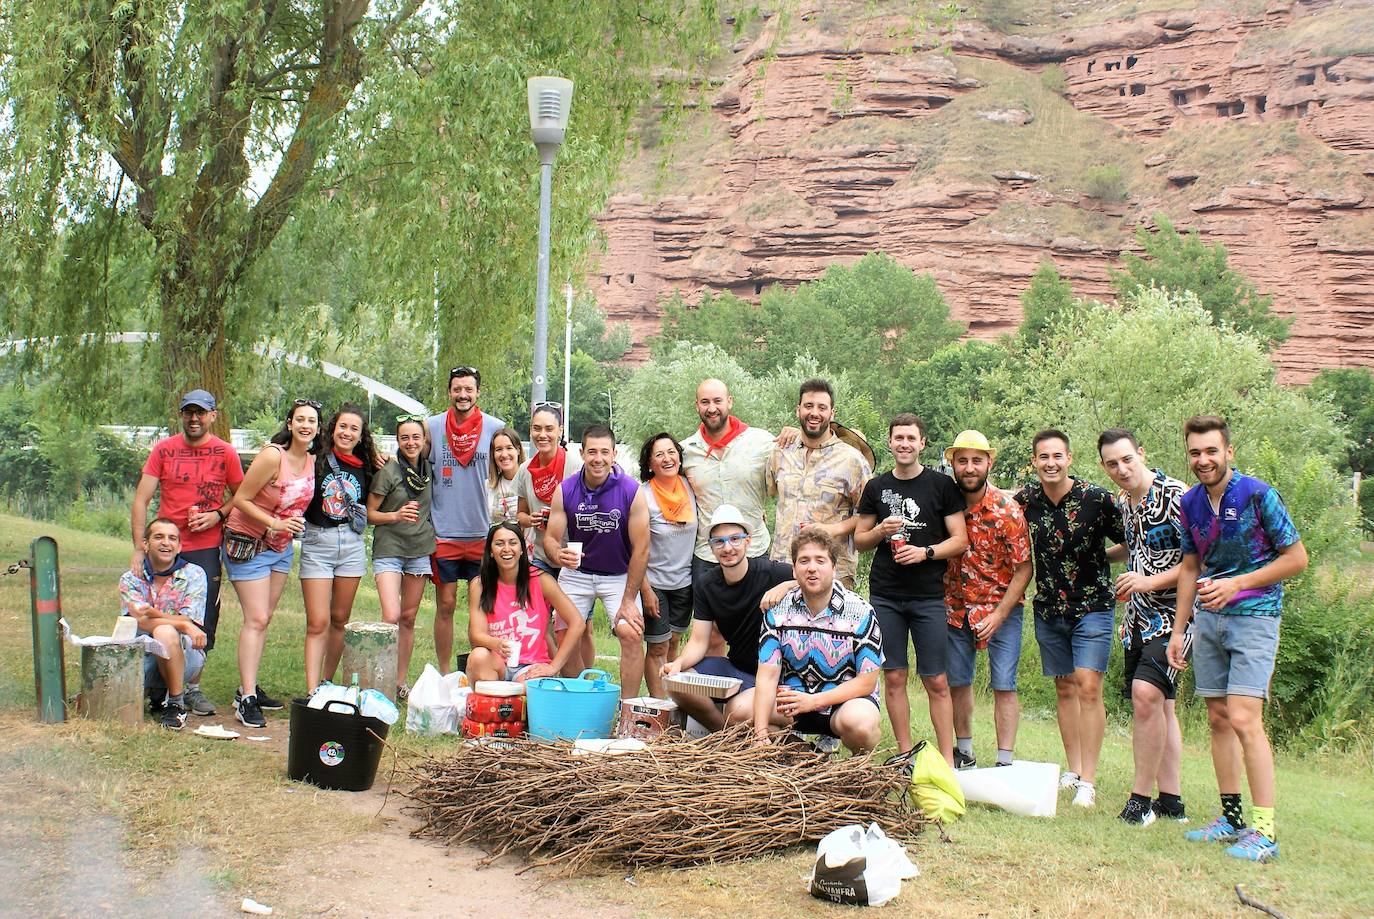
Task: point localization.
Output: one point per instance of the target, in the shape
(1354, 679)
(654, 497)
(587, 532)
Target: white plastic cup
(512, 653)
(576, 547)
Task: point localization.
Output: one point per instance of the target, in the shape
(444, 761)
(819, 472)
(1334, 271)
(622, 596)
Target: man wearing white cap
(729, 596)
(984, 588)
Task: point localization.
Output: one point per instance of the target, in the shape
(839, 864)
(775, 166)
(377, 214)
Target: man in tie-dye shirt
(820, 654)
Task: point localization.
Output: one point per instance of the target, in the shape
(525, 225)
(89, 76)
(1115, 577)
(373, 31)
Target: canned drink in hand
(897, 540)
(191, 513)
(544, 518)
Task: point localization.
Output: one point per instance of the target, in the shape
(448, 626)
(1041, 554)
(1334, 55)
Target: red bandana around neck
(463, 435)
(546, 478)
(733, 428)
(348, 459)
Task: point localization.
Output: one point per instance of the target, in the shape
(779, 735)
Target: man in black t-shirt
(729, 596)
(914, 518)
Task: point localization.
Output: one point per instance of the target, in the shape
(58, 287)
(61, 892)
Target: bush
(1367, 505)
(1106, 183)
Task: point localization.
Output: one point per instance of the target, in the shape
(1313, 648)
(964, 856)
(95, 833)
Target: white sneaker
(1086, 796)
(1068, 780)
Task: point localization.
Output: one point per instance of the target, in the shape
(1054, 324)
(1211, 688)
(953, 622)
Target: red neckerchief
(463, 435)
(348, 459)
(733, 428)
(546, 478)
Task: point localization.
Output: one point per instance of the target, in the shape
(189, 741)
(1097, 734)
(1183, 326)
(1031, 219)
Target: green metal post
(49, 675)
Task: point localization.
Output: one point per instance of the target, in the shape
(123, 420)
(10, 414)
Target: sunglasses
(734, 539)
(401, 419)
(539, 405)
(465, 371)
(310, 402)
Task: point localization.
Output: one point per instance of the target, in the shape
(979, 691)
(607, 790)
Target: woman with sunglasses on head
(507, 456)
(267, 514)
(403, 539)
(537, 479)
(511, 604)
(333, 558)
(667, 591)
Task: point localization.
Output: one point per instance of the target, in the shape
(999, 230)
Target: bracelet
(219, 512)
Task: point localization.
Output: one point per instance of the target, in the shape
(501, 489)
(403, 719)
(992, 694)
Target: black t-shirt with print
(734, 608)
(925, 501)
(329, 505)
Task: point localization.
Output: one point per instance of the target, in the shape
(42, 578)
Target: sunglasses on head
(401, 419)
(465, 371)
(310, 402)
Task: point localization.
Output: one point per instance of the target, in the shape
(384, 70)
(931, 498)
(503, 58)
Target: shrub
(1106, 183)
(1367, 505)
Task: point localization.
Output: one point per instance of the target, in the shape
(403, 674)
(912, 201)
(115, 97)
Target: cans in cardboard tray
(495, 709)
(646, 717)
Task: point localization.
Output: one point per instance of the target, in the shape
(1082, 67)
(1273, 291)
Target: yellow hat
(970, 440)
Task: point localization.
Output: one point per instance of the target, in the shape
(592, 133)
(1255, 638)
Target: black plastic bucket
(333, 747)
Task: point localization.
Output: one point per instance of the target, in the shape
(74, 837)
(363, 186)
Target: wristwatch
(930, 553)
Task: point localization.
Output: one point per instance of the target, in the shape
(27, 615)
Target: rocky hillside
(975, 150)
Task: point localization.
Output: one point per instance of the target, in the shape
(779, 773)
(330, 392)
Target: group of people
(684, 548)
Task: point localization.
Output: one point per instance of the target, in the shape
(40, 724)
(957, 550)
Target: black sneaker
(249, 712)
(157, 700)
(1178, 814)
(1137, 813)
(173, 716)
(265, 702)
(964, 760)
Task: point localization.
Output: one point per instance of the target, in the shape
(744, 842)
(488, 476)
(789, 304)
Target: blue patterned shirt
(818, 653)
(1247, 535)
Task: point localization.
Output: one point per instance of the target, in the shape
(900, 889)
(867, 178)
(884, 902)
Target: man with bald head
(726, 462)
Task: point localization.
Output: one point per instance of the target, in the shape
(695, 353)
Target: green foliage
(949, 391)
(1053, 79)
(1323, 691)
(1047, 302)
(1106, 183)
(871, 319)
(1176, 262)
(1351, 392)
(1367, 505)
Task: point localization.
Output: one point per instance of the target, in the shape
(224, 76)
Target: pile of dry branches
(680, 802)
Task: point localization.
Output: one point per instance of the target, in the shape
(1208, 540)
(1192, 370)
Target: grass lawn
(246, 814)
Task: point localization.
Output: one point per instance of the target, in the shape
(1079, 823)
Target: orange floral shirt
(976, 581)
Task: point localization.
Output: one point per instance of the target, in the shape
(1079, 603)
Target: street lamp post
(550, 99)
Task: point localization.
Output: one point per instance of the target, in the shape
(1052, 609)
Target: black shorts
(453, 570)
(926, 621)
(674, 614)
(819, 722)
(209, 560)
(1148, 661)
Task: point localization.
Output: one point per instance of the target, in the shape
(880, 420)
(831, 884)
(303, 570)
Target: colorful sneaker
(198, 704)
(248, 712)
(826, 744)
(1068, 780)
(964, 760)
(1219, 830)
(1178, 814)
(1086, 795)
(173, 716)
(1254, 846)
(1135, 813)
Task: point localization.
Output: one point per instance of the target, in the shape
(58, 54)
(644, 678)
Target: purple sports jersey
(600, 520)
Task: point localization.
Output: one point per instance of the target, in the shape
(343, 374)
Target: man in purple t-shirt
(605, 518)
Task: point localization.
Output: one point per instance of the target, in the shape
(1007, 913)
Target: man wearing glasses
(729, 596)
(460, 444)
(196, 474)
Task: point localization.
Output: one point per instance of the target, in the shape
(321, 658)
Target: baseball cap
(728, 513)
(199, 398)
(970, 440)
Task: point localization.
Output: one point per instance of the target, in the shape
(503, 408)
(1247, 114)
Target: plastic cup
(576, 547)
(512, 653)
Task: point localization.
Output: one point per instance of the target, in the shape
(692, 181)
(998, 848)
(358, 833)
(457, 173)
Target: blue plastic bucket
(580, 709)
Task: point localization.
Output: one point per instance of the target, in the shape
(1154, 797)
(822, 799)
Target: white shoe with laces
(1068, 780)
(1086, 795)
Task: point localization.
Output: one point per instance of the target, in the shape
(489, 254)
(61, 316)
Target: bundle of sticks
(679, 802)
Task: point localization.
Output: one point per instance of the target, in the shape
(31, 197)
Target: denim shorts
(1068, 644)
(332, 552)
(1233, 655)
(924, 620)
(1004, 653)
(261, 565)
(152, 676)
(418, 566)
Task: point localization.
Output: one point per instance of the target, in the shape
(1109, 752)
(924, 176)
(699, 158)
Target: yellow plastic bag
(934, 789)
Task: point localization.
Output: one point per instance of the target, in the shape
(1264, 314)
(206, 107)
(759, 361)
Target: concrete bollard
(112, 683)
(370, 652)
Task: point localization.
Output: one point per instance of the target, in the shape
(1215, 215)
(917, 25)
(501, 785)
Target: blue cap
(199, 398)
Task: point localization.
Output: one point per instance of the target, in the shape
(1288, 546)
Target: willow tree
(184, 142)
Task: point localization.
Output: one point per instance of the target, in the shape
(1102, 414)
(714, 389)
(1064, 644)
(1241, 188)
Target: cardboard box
(647, 717)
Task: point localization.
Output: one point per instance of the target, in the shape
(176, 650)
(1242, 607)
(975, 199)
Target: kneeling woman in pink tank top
(509, 608)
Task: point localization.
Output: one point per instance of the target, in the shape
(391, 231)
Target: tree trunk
(193, 295)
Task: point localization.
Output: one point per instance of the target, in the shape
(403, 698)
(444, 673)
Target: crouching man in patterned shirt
(820, 654)
(167, 597)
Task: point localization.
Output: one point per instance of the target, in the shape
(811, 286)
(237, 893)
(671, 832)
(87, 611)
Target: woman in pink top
(269, 506)
(506, 605)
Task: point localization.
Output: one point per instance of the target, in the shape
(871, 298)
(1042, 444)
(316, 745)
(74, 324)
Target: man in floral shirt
(984, 589)
(1071, 525)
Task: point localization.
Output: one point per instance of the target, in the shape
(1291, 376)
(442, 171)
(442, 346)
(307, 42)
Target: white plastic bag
(1024, 788)
(375, 704)
(430, 708)
(327, 692)
(860, 867)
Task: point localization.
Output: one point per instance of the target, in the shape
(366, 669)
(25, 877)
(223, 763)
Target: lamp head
(550, 100)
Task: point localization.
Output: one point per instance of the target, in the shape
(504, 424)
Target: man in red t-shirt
(195, 473)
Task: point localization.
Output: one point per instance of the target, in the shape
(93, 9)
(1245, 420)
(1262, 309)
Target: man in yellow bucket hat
(984, 590)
